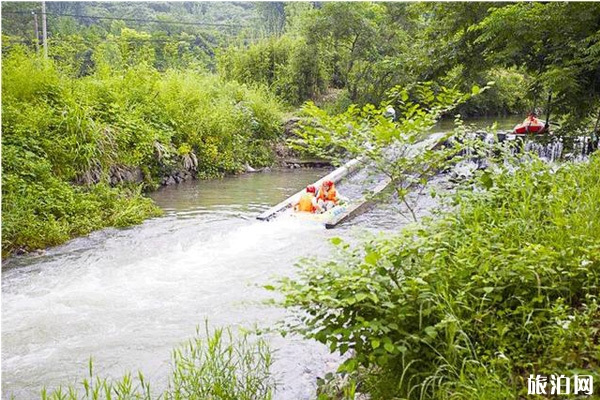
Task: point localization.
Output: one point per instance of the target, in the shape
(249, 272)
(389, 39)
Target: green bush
(40, 209)
(510, 94)
(60, 132)
(259, 63)
(470, 303)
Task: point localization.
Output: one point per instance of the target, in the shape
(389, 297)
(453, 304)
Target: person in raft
(327, 196)
(308, 201)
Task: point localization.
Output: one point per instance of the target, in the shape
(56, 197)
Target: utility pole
(37, 33)
(44, 31)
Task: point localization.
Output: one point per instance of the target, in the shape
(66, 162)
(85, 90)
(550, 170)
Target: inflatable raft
(324, 217)
(285, 207)
(531, 125)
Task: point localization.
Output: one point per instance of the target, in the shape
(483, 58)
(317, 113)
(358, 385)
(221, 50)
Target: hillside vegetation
(78, 152)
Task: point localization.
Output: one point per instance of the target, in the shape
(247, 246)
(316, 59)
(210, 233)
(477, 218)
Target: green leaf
(371, 258)
(348, 365)
(373, 296)
(431, 332)
(343, 348)
(389, 347)
(375, 343)
(361, 296)
(486, 180)
(335, 241)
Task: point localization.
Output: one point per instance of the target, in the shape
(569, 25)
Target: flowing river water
(127, 297)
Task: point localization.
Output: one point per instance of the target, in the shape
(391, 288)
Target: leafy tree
(288, 66)
(447, 30)
(557, 43)
(347, 33)
(295, 15)
(272, 16)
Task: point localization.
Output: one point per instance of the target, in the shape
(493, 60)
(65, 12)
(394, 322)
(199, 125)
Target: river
(127, 297)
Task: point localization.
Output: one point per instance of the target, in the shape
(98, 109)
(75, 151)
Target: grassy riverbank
(78, 152)
(469, 304)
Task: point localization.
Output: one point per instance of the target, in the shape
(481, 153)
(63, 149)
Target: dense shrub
(509, 94)
(60, 132)
(467, 305)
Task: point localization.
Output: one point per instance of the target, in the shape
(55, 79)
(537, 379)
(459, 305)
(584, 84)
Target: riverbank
(135, 206)
(476, 300)
(79, 152)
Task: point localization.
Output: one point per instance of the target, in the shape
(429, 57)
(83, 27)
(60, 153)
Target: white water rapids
(128, 297)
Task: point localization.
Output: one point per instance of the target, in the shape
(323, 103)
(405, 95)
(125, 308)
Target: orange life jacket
(330, 195)
(305, 203)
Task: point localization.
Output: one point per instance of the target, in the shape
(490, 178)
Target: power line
(158, 21)
(150, 20)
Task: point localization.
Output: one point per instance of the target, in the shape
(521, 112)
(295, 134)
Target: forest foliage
(357, 51)
(364, 49)
(65, 139)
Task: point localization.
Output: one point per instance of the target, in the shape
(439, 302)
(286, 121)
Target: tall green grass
(502, 285)
(62, 137)
(218, 364)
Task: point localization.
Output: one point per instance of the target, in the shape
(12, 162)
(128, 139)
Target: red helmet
(310, 189)
(328, 183)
